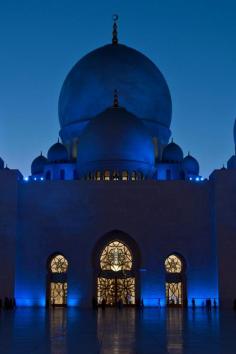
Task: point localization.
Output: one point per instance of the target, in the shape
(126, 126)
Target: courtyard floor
(114, 331)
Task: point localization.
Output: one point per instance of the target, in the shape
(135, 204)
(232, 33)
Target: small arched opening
(175, 280)
(57, 280)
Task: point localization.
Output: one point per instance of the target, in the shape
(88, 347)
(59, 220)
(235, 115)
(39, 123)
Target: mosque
(116, 212)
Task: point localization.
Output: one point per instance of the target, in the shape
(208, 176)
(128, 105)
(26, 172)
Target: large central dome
(88, 90)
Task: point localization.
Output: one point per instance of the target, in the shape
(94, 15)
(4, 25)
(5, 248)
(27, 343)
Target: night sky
(192, 42)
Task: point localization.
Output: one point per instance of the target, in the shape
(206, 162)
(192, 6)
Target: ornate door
(114, 290)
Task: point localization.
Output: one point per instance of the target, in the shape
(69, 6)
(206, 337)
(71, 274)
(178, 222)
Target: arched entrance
(57, 280)
(175, 281)
(116, 281)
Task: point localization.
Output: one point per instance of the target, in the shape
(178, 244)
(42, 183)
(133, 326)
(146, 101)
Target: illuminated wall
(71, 216)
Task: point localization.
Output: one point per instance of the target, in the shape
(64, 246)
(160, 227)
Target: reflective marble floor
(113, 331)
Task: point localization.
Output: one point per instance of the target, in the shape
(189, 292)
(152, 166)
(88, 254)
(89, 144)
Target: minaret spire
(115, 32)
(116, 99)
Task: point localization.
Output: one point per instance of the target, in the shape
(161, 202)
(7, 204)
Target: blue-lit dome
(191, 165)
(87, 90)
(37, 166)
(116, 141)
(57, 153)
(1, 164)
(172, 153)
(231, 164)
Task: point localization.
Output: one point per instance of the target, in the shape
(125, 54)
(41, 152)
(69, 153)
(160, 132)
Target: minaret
(235, 136)
(115, 33)
(231, 163)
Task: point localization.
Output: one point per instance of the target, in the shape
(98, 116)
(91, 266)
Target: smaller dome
(172, 153)
(1, 164)
(231, 164)
(57, 153)
(191, 165)
(38, 164)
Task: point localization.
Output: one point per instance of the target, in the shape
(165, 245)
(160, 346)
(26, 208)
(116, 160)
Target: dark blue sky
(192, 42)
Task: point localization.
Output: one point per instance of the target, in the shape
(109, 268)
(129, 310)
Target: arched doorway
(57, 280)
(175, 280)
(116, 281)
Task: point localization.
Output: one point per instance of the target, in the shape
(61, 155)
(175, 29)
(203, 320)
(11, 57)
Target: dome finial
(115, 33)
(116, 99)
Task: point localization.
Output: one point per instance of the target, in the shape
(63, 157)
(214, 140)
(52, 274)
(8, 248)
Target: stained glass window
(174, 293)
(116, 257)
(133, 176)
(58, 293)
(125, 175)
(59, 264)
(98, 176)
(107, 175)
(115, 176)
(173, 264)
